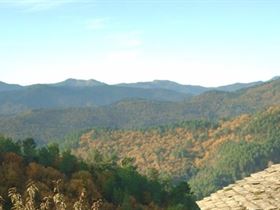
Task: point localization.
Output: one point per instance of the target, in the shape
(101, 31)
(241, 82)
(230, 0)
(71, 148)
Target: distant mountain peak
(6, 87)
(168, 85)
(79, 83)
(164, 81)
(276, 78)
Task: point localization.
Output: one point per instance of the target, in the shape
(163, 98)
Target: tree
(126, 204)
(44, 156)
(68, 163)
(54, 154)
(181, 194)
(129, 163)
(7, 145)
(29, 149)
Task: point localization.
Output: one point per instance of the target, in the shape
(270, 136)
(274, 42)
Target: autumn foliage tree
(81, 186)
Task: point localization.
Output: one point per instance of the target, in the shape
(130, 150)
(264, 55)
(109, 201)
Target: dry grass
(55, 201)
(1, 202)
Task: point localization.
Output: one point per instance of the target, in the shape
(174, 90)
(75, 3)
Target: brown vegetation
(171, 151)
(54, 201)
(209, 156)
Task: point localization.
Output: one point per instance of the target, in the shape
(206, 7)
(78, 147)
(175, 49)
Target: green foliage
(208, 155)
(128, 162)
(7, 145)
(253, 144)
(177, 207)
(58, 122)
(118, 186)
(180, 152)
(234, 160)
(126, 204)
(181, 196)
(48, 155)
(87, 96)
(68, 163)
(29, 149)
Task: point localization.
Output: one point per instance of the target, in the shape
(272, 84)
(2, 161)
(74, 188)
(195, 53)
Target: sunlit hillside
(46, 178)
(198, 151)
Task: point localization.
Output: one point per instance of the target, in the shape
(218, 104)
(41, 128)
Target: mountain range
(207, 136)
(187, 89)
(7, 87)
(156, 84)
(66, 96)
(91, 93)
(46, 123)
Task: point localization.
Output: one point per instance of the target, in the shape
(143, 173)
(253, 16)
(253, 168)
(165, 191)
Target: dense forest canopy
(143, 153)
(45, 125)
(209, 155)
(119, 187)
(136, 104)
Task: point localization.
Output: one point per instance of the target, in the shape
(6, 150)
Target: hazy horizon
(209, 43)
(55, 82)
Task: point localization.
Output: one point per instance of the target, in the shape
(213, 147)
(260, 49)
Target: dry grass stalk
(59, 201)
(15, 199)
(1, 203)
(97, 204)
(30, 199)
(46, 203)
(58, 198)
(80, 204)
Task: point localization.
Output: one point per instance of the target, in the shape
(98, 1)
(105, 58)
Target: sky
(198, 42)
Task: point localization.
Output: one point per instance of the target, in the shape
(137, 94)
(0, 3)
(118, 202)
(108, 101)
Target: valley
(194, 150)
(139, 105)
(209, 140)
(57, 123)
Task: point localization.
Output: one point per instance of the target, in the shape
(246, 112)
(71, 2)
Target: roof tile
(260, 191)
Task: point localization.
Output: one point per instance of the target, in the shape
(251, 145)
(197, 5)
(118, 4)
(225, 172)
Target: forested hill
(53, 124)
(210, 140)
(45, 177)
(46, 125)
(69, 96)
(188, 89)
(209, 155)
(8, 87)
(91, 93)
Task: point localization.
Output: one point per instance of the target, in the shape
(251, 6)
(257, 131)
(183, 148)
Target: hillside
(188, 89)
(209, 155)
(237, 86)
(168, 149)
(52, 179)
(247, 148)
(49, 124)
(8, 87)
(169, 85)
(79, 83)
(69, 96)
(90, 93)
(216, 105)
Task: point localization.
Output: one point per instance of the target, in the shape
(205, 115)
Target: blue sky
(206, 42)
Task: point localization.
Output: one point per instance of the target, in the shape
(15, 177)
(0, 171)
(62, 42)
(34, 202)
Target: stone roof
(260, 191)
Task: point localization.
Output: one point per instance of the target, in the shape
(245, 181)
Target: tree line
(119, 187)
